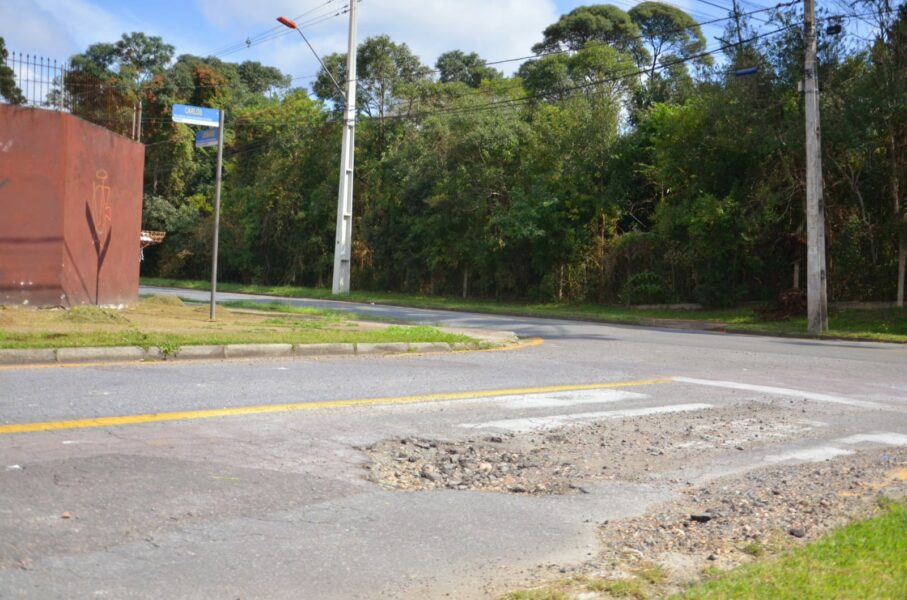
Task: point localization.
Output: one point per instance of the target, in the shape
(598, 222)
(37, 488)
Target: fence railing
(53, 85)
(42, 80)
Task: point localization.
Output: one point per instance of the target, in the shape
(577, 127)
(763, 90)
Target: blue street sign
(196, 115)
(207, 138)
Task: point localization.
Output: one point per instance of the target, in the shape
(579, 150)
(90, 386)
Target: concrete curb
(257, 350)
(115, 354)
(34, 356)
(112, 354)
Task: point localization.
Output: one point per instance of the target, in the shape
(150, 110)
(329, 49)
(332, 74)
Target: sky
(496, 29)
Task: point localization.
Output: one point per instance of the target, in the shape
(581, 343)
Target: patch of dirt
(563, 460)
(162, 300)
(734, 520)
(94, 315)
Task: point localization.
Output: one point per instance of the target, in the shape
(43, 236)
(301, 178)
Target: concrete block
(198, 352)
(31, 356)
(323, 349)
(112, 354)
(388, 348)
(430, 347)
(465, 346)
(257, 350)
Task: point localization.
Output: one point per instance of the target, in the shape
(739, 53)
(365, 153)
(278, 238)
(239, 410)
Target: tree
(889, 55)
(599, 24)
(464, 68)
(668, 30)
(8, 87)
(105, 82)
(596, 69)
(384, 68)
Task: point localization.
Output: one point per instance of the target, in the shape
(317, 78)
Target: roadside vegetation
(625, 162)
(889, 325)
(169, 323)
(866, 559)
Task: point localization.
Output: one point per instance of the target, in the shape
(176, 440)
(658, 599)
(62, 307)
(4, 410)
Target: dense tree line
(625, 162)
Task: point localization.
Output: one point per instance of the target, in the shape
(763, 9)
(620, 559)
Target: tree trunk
(560, 286)
(797, 275)
(902, 262)
(465, 282)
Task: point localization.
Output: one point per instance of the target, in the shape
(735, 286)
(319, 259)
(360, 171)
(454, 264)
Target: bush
(644, 288)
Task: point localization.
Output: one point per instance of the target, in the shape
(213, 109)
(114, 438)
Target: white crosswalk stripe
(788, 393)
(565, 399)
(832, 449)
(552, 421)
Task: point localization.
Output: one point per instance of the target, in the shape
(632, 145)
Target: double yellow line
(304, 406)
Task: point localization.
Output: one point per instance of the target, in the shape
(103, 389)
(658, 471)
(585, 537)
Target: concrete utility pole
(343, 250)
(816, 276)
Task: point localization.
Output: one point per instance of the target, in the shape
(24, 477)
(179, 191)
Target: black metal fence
(42, 80)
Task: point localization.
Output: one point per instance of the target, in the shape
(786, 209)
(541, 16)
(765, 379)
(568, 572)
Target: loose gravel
(717, 524)
(567, 459)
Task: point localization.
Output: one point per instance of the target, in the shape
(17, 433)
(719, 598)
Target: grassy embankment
(168, 323)
(889, 325)
(866, 559)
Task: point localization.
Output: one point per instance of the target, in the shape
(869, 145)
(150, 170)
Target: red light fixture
(287, 22)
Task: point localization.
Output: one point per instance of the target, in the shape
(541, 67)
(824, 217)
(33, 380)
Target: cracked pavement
(286, 505)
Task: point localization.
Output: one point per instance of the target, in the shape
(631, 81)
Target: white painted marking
(552, 421)
(777, 391)
(817, 454)
(885, 439)
(564, 399)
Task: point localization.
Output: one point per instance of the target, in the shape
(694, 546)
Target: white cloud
(496, 29)
(57, 28)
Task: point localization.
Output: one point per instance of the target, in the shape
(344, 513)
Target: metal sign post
(220, 161)
(212, 117)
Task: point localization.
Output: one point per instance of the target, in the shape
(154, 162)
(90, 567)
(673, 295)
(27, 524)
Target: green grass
(172, 324)
(867, 559)
(888, 325)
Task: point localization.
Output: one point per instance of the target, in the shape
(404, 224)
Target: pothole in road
(564, 460)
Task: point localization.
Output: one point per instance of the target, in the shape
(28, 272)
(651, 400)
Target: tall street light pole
(343, 249)
(816, 276)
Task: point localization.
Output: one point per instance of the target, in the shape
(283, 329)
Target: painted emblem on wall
(101, 211)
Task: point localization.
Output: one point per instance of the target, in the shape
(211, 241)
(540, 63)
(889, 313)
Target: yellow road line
(301, 406)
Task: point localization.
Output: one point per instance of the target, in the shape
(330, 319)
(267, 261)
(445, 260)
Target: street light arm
(292, 25)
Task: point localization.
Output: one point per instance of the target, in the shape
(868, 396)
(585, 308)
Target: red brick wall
(70, 211)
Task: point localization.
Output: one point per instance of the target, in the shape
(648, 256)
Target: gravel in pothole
(563, 460)
(733, 519)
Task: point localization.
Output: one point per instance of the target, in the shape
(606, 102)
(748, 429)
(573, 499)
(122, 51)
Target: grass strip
(867, 559)
(169, 323)
(884, 325)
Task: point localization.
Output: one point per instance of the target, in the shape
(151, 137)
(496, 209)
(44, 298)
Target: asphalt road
(259, 504)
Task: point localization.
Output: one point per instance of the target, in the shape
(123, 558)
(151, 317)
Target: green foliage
(862, 560)
(383, 70)
(457, 66)
(622, 167)
(8, 88)
(645, 288)
(596, 24)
